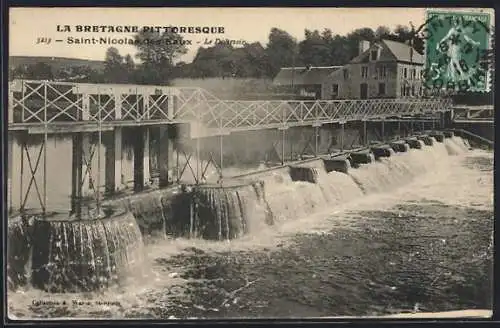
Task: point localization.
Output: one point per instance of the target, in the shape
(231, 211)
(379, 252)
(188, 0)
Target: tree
(410, 37)
(18, 72)
(129, 63)
(382, 32)
(39, 71)
(157, 52)
(114, 68)
(315, 49)
(353, 39)
(281, 50)
(214, 61)
(253, 62)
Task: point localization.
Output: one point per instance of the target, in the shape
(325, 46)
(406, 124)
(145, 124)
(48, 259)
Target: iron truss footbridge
(53, 107)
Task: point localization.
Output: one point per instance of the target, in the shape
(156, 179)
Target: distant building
(303, 82)
(383, 69)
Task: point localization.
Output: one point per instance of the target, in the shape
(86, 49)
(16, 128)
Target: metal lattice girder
(474, 112)
(55, 102)
(47, 102)
(234, 115)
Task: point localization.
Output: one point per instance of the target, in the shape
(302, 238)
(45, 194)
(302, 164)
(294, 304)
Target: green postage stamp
(457, 46)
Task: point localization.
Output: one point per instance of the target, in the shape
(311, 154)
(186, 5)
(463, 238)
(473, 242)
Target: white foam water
(430, 173)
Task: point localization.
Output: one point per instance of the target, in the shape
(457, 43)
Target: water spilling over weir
(87, 255)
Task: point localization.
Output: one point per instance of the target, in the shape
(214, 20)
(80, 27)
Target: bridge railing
(46, 102)
(235, 115)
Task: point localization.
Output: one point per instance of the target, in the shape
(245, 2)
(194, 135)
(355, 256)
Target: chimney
(363, 46)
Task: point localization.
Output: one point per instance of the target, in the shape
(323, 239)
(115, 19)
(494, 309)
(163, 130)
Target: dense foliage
(157, 62)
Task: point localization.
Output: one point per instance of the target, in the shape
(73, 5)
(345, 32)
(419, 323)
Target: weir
(135, 161)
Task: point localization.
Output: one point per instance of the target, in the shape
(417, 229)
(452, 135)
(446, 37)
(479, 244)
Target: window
(383, 71)
(364, 72)
(346, 74)
(405, 73)
(413, 90)
(405, 90)
(335, 90)
(381, 88)
(414, 74)
(374, 54)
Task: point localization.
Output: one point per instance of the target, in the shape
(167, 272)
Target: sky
(27, 25)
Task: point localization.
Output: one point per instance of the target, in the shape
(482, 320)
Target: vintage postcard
(221, 163)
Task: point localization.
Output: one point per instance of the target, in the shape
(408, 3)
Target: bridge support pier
(117, 167)
(87, 151)
(283, 138)
(383, 130)
(76, 174)
(447, 119)
(342, 136)
(365, 135)
(316, 140)
(165, 156)
(142, 174)
(15, 170)
(83, 183)
(145, 159)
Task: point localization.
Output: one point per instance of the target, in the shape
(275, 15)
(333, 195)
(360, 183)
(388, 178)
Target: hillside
(56, 63)
(233, 88)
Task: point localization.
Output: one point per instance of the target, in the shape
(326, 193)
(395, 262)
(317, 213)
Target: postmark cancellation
(457, 51)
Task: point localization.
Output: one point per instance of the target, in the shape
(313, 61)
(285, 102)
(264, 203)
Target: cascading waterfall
(396, 170)
(84, 255)
(289, 199)
(154, 211)
(339, 187)
(88, 255)
(223, 212)
(20, 230)
(456, 145)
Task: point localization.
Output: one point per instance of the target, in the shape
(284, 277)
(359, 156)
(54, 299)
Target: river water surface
(414, 236)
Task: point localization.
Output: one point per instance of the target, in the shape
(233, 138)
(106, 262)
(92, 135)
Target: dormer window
(374, 54)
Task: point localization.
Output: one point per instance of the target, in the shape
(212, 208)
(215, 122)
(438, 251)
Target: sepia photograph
(249, 163)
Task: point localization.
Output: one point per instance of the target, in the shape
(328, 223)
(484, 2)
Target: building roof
(392, 50)
(404, 52)
(303, 75)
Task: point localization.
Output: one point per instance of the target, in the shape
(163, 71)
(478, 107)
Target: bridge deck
(61, 106)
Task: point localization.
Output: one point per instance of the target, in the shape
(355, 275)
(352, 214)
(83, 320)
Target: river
(419, 239)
